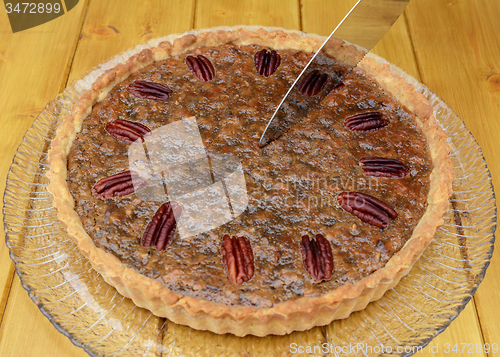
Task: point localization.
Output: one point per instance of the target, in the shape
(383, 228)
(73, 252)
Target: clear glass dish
(95, 317)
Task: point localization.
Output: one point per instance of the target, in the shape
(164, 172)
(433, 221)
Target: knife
(364, 25)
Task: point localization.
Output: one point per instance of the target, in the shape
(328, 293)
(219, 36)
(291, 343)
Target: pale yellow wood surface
(113, 26)
(465, 329)
(318, 17)
(450, 45)
(459, 59)
(282, 13)
(33, 67)
(36, 336)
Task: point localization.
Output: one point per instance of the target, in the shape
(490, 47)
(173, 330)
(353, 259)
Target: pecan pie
(226, 236)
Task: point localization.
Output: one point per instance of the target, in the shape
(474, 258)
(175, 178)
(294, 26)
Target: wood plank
(464, 330)
(318, 17)
(282, 13)
(33, 65)
(109, 29)
(44, 339)
(459, 59)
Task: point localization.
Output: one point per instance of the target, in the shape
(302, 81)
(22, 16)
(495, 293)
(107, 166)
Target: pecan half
(317, 257)
(149, 90)
(237, 256)
(118, 185)
(338, 87)
(382, 167)
(201, 67)
(313, 83)
(366, 122)
(367, 208)
(160, 231)
(127, 131)
(267, 62)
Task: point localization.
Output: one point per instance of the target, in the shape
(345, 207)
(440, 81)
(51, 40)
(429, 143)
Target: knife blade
(364, 25)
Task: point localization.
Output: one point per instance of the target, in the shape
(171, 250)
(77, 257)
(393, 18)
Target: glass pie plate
(94, 316)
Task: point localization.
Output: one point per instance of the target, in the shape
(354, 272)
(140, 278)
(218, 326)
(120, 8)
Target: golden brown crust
(300, 314)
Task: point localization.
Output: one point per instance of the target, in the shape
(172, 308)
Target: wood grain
(110, 29)
(36, 338)
(464, 329)
(282, 13)
(33, 66)
(318, 17)
(459, 58)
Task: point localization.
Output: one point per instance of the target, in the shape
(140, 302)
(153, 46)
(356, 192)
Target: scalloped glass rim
(95, 317)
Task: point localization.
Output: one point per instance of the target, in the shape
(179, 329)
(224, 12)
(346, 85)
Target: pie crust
(295, 315)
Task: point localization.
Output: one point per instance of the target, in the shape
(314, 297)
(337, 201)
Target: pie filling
(328, 203)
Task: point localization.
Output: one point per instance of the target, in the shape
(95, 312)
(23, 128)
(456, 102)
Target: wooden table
(452, 46)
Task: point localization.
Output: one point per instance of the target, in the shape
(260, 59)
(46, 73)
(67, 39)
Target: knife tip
(263, 142)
